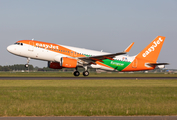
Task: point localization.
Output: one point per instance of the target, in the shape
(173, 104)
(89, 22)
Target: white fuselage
(44, 54)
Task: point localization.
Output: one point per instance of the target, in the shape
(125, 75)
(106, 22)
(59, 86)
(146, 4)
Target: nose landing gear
(27, 65)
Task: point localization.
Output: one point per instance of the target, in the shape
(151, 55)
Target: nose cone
(14, 49)
(10, 48)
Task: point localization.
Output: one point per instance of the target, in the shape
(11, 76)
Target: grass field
(92, 74)
(87, 97)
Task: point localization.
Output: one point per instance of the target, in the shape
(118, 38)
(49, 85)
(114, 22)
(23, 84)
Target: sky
(108, 25)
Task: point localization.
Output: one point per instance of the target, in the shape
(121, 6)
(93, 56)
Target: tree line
(15, 67)
(20, 67)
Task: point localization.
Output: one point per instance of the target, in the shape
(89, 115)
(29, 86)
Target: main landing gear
(85, 73)
(76, 73)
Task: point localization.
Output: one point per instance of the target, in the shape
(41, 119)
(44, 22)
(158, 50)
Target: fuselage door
(135, 63)
(31, 46)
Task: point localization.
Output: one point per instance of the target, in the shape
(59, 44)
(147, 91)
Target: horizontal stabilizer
(158, 64)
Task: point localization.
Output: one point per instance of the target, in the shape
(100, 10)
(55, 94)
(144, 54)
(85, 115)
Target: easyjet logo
(46, 46)
(152, 48)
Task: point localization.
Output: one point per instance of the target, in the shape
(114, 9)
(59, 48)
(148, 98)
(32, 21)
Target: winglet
(129, 47)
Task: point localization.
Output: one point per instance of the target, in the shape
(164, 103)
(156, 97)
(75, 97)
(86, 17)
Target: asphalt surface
(80, 78)
(94, 118)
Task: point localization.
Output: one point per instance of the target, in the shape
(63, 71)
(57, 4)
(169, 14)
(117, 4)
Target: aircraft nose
(10, 48)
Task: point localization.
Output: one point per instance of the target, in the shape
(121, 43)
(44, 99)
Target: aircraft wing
(101, 57)
(93, 59)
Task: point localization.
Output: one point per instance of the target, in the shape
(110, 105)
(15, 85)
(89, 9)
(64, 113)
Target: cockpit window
(18, 44)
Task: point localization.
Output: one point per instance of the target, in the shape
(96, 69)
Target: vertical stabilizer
(152, 51)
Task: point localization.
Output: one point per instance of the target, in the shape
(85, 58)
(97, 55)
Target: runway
(94, 118)
(82, 78)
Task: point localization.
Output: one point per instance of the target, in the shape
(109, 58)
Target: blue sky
(108, 25)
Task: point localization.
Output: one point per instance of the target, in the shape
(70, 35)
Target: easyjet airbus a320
(61, 56)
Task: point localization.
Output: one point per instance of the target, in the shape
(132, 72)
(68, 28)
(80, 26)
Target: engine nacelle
(68, 62)
(54, 65)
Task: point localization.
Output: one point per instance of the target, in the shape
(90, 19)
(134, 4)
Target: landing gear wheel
(26, 65)
(85, 73)
(76, 73)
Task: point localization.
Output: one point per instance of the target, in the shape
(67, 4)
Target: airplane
(62, 56)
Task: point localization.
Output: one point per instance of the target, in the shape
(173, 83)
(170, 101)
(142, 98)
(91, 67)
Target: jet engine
(68, 62)
(54, 65)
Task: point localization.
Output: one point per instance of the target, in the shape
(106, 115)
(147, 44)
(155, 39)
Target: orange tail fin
(152, 51)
